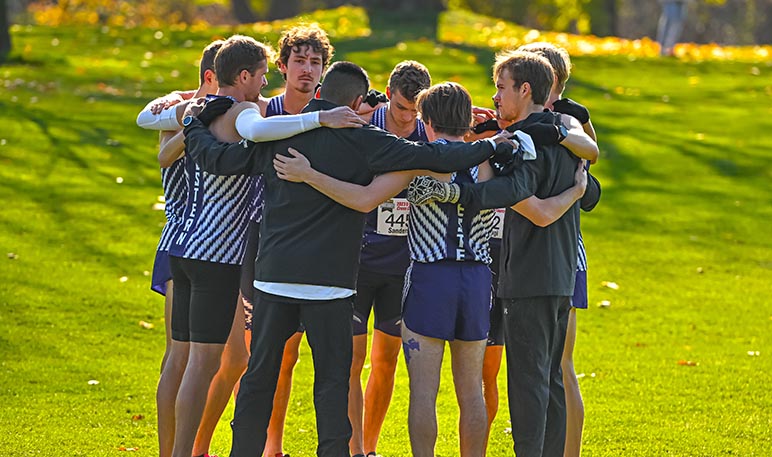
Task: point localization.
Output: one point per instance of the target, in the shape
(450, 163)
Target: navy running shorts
(579, 300)
(162, 273)
(448, 300)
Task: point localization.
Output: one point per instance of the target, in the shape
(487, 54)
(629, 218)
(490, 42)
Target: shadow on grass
(51, 190)
(15, 60)
(64, 148)
(388, 28)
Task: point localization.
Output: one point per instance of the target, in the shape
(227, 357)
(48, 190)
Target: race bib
(392, 217)
(498, 223)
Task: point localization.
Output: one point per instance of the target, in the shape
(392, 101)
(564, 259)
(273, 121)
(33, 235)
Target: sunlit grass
(682, 228)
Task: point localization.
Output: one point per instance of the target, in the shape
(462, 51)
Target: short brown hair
(207, 59)
(527, 67)
(239, 53)
(305, 35)
(409, 78)
(447, 107)
(557, 57)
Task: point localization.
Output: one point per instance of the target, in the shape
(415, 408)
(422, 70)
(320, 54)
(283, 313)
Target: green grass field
(678, 364)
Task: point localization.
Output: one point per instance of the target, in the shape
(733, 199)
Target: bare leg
(424, 360)
(467, 361)
(166, 396)
(355, 408)
(491, 367)
(203, 363)
(274, 442)
(574, 403)
(168, 299)
(232, 365)
(247, 341)
(380, 385)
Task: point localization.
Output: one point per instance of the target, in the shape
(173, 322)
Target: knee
(357, 362)
(384, 364)
(177, 356)
(288, 361)
(490, 388)
(567, 367)
(469, 396)
(490, 375)
(206, 367)
(234, 365)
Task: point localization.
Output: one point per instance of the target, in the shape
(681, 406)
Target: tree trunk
(242, 11)
(763, 33)
(5, 35)
(603, 17)
(613, 18)
(406, 5)
(337, 3)
(282, 9)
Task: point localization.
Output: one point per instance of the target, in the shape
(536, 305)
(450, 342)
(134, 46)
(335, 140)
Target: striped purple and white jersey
(275, 106)
(256, 198)
(175, 196)
(438, 231)
(214, 225)
(581, 263)
(379, 120)
(382, 252)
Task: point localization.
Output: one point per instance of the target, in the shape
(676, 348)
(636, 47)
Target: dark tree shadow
(388, 28)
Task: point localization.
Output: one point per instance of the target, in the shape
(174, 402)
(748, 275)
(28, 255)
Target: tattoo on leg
(410, 345)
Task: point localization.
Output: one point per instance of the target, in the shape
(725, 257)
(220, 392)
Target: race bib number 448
(392, 217)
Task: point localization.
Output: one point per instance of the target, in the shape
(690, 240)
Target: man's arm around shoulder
(386, 152)
(216, 157)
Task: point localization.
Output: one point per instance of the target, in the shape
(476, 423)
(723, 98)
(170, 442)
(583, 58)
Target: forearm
(589, 129)
(360, 198)
(581, 145)
(169, 118)
(165, 120)
(348, 194)
(544, 212)
(217, 157)
(184, 94)
(252, 126)
(485, 172)
(172, 148)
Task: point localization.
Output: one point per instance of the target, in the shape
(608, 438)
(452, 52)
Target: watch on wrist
(562, 132)
(187, 120)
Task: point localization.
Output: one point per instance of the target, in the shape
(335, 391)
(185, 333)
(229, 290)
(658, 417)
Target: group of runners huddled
(307, 211)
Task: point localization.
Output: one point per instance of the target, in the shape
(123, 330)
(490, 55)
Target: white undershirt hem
(303, 291)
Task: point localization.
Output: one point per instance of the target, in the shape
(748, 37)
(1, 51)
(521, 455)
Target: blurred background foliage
(725, 22)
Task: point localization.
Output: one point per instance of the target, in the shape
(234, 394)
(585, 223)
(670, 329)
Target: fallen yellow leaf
(610, 285)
